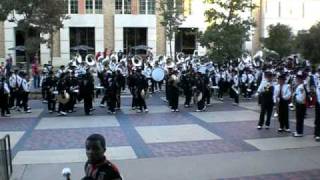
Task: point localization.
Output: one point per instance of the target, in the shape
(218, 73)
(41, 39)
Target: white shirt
(300, 94)
(244, 78)
(318, 94)
(285, 92)
(235, 80)
(25, 85)
(251, 78)
(15, 81)
(5, 87)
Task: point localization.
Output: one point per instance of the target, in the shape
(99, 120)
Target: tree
(171, 13)
(308, 43)
(280, 39)
(228, 29)
(46, 16)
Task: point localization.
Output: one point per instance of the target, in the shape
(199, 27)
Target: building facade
(112, 24)
(122, 24)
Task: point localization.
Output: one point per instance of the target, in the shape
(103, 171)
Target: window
(89, 6)
(142, 7)
(151, 6)
(127, 6)
(134, 37)
(98, 6)
(118, 6)
(82, 36)
(74, 6)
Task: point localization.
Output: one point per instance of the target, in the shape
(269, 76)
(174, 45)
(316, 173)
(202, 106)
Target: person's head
(299, 78)
(268, 76)
(95, 148)
(282, 79)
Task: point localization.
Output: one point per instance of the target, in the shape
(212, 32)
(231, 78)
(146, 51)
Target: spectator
(98, 167)
(8, 64)
(2, 69)
(35, 74)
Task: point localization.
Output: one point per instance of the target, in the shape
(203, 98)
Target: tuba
(63, 98)
(137, 61)
(90, 60)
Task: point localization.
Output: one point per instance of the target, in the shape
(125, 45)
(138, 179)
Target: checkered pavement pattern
(41, 137)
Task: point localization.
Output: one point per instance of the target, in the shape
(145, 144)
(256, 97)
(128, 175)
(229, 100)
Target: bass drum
(158, 74)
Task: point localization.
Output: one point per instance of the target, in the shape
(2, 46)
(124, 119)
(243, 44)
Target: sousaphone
(137, 61)
(90, 60)
(63, 98)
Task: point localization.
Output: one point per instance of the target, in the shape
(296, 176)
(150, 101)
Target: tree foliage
(46, 16)
(172, 17)
(308, 43)
(280, 39)
(229, 28)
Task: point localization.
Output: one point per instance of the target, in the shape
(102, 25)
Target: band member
(300, 102)
(50, 85)
(141, 89)
(251, 84)
(15, 86)
(266, 92)
(4, 97)
(111, 90)
(199, 90)
(133, 88)
(25, 93)
(235, 87)
(120, 84)
(283, 94)
(43, 78)
(62, 88)
(187, 84)
(87, 92)
(317, 115)
(73, 88)
(206, 93)
(221, 78)
(244, 84)
(173, 91)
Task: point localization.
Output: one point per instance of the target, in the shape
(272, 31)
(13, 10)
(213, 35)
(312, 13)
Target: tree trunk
(170, 46)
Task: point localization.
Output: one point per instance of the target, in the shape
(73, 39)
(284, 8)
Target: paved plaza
(220, 143)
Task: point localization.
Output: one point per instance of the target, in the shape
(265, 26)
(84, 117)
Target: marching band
(278, 85)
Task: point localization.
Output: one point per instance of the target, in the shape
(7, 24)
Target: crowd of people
(279, 85)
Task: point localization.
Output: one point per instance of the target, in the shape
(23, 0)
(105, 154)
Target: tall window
(127, 6)
(98, 6)
(142, 7)
(89, 6)
(151, 6)
(74, 6)
(82, 36)
(118, 6)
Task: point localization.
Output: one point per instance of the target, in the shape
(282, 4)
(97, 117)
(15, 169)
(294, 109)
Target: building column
(160, 31)
(257, 14)
(2, 51)
(109, 11)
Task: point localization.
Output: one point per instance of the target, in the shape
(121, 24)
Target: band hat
(299, 74)
(282, 77)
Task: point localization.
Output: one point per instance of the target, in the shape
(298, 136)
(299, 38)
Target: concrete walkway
(203, 167)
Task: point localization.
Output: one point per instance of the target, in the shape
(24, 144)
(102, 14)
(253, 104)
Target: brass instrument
(63, 98)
